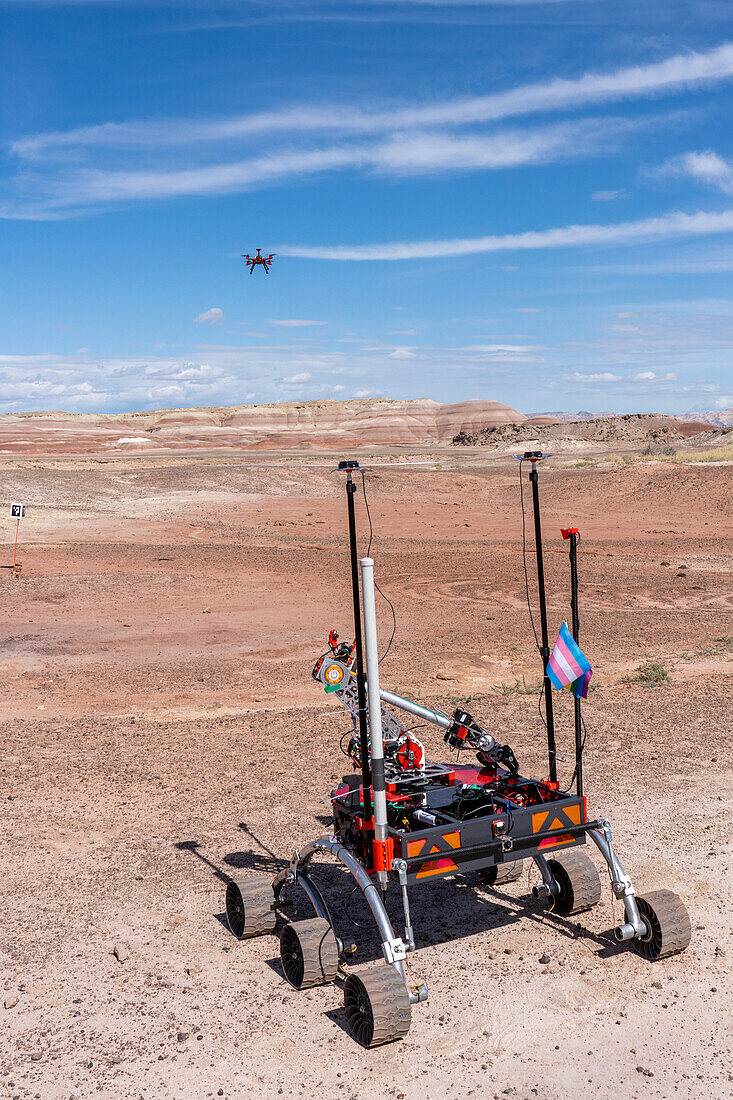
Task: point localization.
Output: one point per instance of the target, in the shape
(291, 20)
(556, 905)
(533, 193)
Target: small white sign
(17, 511)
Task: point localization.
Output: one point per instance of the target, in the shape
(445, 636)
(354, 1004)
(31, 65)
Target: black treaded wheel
(249, 906)
(668, 924)
(501, 873)
(377, 1005)
(579, 882)
(309, 952)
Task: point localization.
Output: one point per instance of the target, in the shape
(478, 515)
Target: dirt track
(161, 729)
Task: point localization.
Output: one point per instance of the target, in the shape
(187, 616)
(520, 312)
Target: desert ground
(161, 731)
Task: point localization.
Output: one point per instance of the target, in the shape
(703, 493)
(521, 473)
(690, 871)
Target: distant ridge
(719, 418)
(320, 425)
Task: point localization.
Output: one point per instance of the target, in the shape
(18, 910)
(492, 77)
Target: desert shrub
(650, 673)
(715, 454)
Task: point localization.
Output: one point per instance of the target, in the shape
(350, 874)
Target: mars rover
(400, 819)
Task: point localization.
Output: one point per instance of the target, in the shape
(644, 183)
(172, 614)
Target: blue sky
(524, 201)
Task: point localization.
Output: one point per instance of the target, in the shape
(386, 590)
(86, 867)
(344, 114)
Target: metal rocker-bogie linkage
(404, 820)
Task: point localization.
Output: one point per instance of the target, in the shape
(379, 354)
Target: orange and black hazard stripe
(430, 846)
(554, 819)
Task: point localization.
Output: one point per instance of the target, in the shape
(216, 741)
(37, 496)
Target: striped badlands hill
(318, 424)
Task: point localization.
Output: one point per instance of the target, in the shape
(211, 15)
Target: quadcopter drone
(252, 261)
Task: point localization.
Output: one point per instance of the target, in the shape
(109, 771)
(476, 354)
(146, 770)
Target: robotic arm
(464, 732)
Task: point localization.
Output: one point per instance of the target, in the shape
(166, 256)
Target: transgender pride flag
(568, 666)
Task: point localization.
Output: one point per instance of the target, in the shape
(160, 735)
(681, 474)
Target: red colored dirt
(162, 732)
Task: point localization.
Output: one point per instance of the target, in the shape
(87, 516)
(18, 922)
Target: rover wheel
(668, 924)
(309, 952)
(377, 1006)
(249, 906)
(501, 873)
(579, 882)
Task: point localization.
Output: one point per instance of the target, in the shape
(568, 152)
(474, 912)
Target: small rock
(182, 1036)
(656, 985)
(206, 611)
(10, 1002)
(544, 958)
(121, 952)
(220, 1092)
(199, 1036)
(36, 1056)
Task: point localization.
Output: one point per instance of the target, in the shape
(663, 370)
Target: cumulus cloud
(641, 376)
(213, 316)
(298, 379)
(650, 376)
(603, 376)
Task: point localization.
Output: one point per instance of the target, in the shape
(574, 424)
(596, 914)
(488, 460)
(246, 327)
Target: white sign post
(17, 512)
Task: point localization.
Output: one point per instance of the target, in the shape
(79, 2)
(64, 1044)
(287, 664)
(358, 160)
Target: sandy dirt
(161, 730)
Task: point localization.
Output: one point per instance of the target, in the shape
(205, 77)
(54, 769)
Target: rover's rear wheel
(668, 925)
(377, 1006)
(249, 906)
(501, 873)
(309, 952)
(579, 882)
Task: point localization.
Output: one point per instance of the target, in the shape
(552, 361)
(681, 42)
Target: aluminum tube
(372, 895)
(427, 715)
(621, 884)
(375, 708)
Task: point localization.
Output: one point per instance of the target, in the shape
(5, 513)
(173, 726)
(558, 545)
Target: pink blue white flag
(568, 666)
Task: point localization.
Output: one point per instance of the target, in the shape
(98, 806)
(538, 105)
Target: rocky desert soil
(161, 732)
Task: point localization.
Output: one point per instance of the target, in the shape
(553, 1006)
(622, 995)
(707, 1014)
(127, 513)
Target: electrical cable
(580, 756)
(524, 559)
(379, 590)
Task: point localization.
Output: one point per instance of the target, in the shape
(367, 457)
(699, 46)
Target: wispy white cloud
(213, 316)
(294, 323)
(610, 377)
(705, 167)
(298, 379)
(399, 154)
(644, 229)
(608, 196)
(402, 353)
(681, 71)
